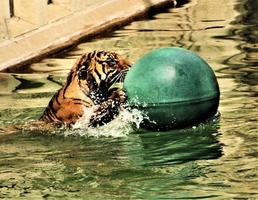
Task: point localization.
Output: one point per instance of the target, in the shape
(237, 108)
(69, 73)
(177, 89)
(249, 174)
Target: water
(217, 160)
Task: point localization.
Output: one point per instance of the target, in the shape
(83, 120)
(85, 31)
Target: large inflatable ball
(173, 87)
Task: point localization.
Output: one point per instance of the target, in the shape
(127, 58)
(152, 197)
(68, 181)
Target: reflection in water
(243, 66)
(59, 166)
(26, 84)
(212, 161)
(177, 147)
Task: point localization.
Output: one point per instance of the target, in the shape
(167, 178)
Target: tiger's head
(99, 72)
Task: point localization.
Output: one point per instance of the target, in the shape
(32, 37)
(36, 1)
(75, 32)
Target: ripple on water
(212, 161)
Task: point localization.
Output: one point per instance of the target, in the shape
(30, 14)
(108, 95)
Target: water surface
(217, 160)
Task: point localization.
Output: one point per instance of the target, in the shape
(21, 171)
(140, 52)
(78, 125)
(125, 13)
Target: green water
(217, 160)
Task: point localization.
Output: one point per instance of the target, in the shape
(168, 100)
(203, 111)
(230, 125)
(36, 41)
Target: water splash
(126, 122)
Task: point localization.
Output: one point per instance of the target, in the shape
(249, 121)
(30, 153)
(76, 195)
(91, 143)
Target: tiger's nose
(126, 65)
(125, 68)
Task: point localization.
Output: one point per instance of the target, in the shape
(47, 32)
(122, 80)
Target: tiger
(95, 81)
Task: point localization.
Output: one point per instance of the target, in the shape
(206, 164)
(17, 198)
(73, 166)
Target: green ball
(174, 87)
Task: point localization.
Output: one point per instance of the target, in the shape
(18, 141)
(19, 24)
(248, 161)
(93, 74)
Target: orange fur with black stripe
(92, 82)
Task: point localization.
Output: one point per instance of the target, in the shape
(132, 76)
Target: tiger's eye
(83, 73)
(111, 62)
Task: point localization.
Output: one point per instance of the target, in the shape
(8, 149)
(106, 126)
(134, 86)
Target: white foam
(126, 122)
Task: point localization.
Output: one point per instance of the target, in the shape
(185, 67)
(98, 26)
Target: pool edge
(53, 37)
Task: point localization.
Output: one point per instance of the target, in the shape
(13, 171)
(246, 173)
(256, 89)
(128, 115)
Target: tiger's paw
(119, 96)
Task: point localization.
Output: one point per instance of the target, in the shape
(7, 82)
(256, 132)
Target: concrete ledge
(55, 36)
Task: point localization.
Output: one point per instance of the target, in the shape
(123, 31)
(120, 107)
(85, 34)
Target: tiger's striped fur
(91, 82)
